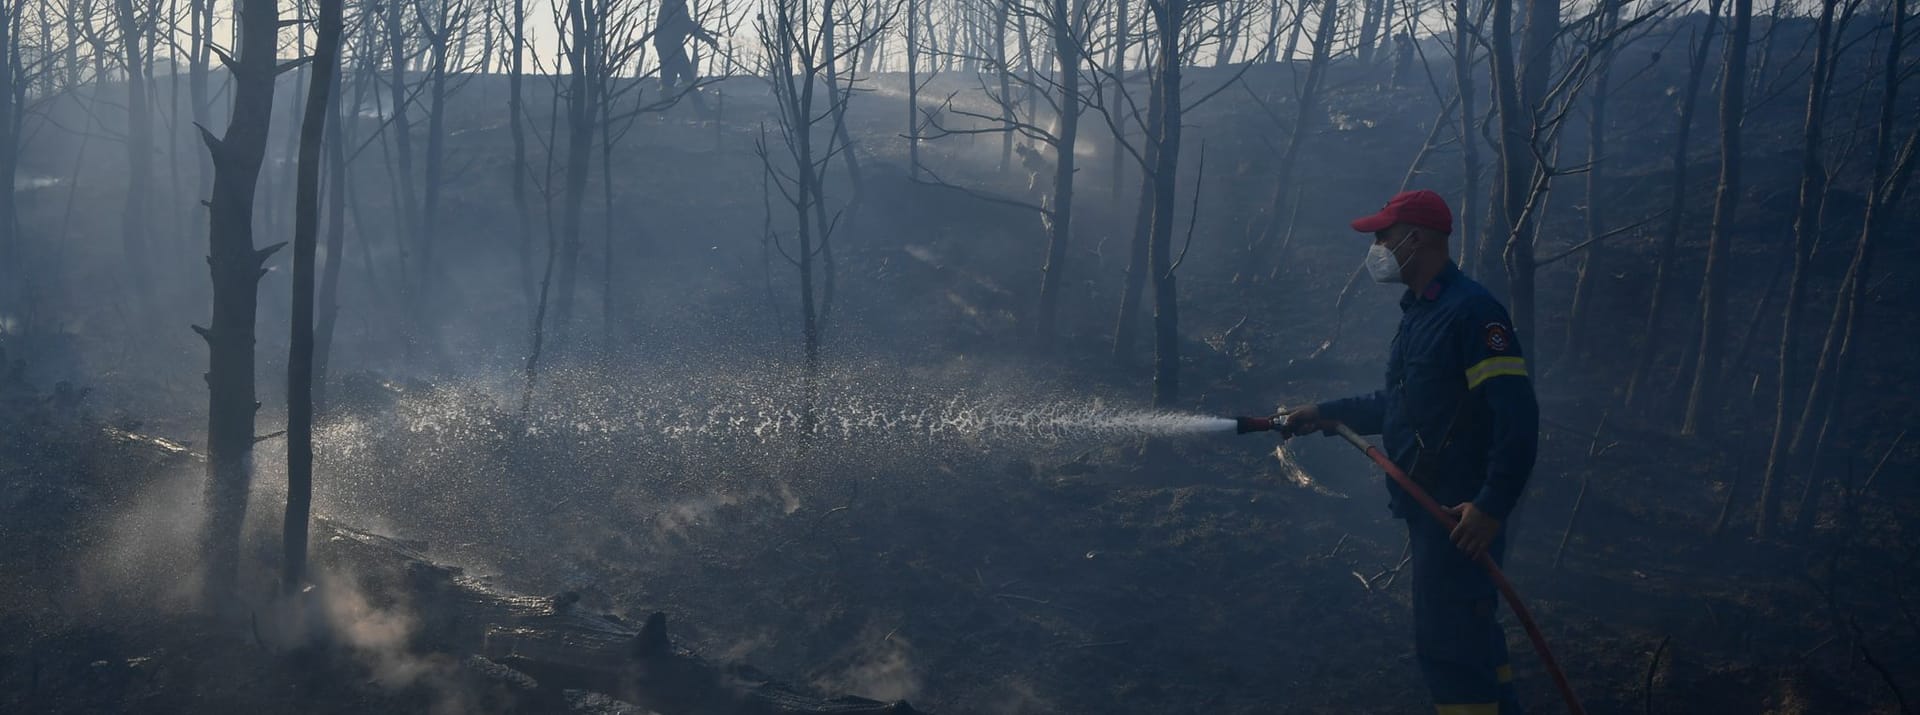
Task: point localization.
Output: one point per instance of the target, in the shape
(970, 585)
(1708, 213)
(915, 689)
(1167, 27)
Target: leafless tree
(1894, 164)
(136, 22)
(1592, 260)
(1068, 27)
(601, 38)
(1806, 228)
(400, 53)
(12, 85)
(1305, 121)
(1657, 305)
(236, 267)
(798, 44)
(446, 26)
(306, 231)
(1702, 395)
(1152, 258)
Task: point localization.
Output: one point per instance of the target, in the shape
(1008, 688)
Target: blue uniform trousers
(1458, 640)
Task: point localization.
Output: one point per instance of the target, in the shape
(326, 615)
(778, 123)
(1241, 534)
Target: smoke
(380, 636)
(148, 553)
(677, 519)
(883, 670)
(148, 559)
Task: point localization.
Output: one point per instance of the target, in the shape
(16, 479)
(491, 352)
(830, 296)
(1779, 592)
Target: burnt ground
(1181, 576)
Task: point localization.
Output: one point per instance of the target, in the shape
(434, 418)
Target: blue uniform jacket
(1458, 412)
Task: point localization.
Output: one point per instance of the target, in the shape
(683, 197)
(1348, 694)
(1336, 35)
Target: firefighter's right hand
(1306, 419)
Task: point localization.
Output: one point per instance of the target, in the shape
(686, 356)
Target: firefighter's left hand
(1476, 529)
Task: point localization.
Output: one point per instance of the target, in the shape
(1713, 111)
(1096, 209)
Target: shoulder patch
(1499, 338)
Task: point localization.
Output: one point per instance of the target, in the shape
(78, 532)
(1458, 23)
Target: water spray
(1279, 423)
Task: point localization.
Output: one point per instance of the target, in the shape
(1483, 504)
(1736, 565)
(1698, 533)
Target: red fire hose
(1493, 570)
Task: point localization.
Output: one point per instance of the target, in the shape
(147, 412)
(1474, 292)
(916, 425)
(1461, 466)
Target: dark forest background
(426, 272)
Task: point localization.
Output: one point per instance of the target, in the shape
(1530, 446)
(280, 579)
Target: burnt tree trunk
(1892, 175)
(438, 29)
(327, 305)
(1003, 11)
(1117, 65)
(1702, 396)
(1170, 15)
(516, 124)
(1305, 118)
(1592, 260)
(199, 61)
(1463, 51)
(402, 130)
(1369, 29)
(913, 89)
(236, 267)
(9, 159)
(849, 157)
(135, 221)
(1806, 230)
(1657, 305)
(579, 155)
(1525, 167)
(1128, 326)
(1068, 16)
(306, 229)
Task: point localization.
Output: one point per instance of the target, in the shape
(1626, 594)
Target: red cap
(1421, 208)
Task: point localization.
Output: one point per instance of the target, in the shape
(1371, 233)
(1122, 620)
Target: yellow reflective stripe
(1494, 367)
(1468, 709)
(1503, 674)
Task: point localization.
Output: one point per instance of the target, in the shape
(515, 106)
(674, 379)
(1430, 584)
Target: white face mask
(1382, 265)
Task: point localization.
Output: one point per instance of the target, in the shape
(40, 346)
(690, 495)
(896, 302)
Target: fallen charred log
(544, 654)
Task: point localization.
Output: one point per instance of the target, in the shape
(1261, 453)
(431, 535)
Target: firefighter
(670, 35)
(1458, 415)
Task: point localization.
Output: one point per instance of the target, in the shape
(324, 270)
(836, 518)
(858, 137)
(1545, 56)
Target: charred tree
(443, 25)
(9, 153)
(1657, 307)
(135, 26)
(516, 123)
(306, 229)
(1066, 23)
(580, 129)
(1370, 18)
(1893, 171)
(1590, 261)
(1806, 229)
(1464, 31)
(1003, 69)
(401, 129)
(236, 267)
(327, 303)
(1515, 159)
(843, 94)
(199, 65)
(798, 46)
(1521, 156)
(1701, 397)
(1139, 250)
(1305, 118)
(913, 89)
(1170, 18)
(1122, 25)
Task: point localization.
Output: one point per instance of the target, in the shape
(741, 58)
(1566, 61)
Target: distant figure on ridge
(1402, 60)
(670, 40)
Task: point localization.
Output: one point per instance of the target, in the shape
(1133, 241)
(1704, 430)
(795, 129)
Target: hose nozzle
(1243, 425)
